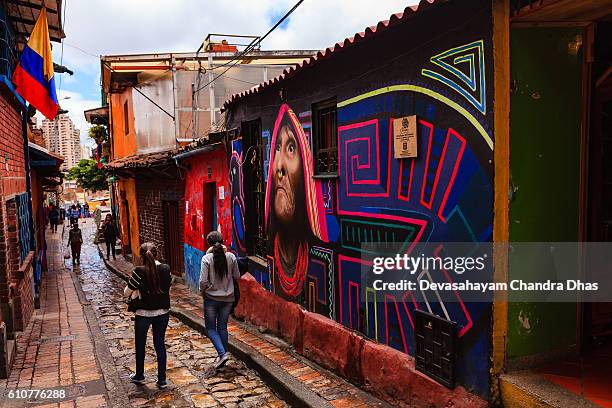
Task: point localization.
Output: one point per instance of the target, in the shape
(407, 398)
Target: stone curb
(282, 383)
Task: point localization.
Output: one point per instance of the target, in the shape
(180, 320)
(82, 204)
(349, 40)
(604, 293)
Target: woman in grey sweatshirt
(218, 271)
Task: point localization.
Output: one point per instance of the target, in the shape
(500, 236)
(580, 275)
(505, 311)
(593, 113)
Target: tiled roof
(142, 160)
(394, 19)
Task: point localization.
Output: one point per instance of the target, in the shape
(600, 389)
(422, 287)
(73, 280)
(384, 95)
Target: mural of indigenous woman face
(294, 207)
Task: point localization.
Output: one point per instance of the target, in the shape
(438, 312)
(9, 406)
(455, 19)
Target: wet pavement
(193, 381)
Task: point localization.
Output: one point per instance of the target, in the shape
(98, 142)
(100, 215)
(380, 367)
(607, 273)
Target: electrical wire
(254, 43)
(82, 50)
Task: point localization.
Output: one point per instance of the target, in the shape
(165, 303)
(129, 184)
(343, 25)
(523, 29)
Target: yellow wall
(127, 190)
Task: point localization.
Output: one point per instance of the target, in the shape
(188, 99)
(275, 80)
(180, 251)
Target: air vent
(435, 340)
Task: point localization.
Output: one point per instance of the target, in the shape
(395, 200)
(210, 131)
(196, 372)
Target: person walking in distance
(109, 229)
(218, 270)
(74, 215)
(149, 289)
(75, 240)
(54, 218)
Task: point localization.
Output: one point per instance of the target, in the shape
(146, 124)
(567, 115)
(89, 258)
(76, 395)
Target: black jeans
(110, 246)
(141, 327)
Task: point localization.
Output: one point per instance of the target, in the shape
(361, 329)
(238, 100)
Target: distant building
(64, 139)
(85, 152)
(143, 135)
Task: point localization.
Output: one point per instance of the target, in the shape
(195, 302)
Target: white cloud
(75, 106)
(109, 27)
(144, 26)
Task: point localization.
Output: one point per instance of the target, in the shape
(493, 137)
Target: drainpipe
(177, 124)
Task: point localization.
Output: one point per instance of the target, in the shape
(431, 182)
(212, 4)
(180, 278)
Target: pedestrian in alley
(75, 240)
(54, 218)
(109, 230)
(149, 292)
(218, 270)
(74, 215)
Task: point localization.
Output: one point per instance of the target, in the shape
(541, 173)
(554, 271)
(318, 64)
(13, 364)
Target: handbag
(134, 301)
(66, 253)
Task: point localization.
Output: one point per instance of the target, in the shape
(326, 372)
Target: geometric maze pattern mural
(444, 194)
(462, 69)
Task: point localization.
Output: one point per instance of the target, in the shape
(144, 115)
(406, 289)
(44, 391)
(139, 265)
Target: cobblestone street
(193, 382)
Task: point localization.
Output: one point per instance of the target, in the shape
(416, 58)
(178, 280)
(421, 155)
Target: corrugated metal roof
(369, 32)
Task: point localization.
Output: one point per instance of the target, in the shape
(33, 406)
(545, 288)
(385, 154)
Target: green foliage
(88, 176)
(98, 133)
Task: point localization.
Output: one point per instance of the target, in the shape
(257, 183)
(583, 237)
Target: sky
(109, 27)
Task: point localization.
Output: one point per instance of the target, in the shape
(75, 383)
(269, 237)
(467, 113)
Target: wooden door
(172, 250)
(209, 210)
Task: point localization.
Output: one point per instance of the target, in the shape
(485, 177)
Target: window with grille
(325, 138)
(24, 227)
(255, 187)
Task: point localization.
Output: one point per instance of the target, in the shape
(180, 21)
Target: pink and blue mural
(316, 225)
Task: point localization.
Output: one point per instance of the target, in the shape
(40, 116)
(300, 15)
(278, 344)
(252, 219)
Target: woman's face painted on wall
(287, 178)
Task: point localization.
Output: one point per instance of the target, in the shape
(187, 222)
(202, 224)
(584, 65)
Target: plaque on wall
(405, 137)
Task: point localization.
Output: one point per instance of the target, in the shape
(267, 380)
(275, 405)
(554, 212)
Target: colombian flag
(33, 77)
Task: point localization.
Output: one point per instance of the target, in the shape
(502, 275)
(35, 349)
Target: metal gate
(24, 224)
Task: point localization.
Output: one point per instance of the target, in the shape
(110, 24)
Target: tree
(88, 176)
(98, 133)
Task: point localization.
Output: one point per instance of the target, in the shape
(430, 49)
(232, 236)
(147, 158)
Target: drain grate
(56, 339)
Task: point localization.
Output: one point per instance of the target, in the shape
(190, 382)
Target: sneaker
(220, 362)
(162, 384)
(136, 380)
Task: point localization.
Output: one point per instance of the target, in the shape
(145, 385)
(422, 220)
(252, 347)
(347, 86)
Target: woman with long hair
(110, 232)
(217, 274)
(151, 304)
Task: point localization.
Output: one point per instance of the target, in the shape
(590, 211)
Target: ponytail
(219, 260)
(148, 252)
(215, 240)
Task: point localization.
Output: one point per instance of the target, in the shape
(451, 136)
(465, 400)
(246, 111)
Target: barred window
(126, 118)
(325, 137)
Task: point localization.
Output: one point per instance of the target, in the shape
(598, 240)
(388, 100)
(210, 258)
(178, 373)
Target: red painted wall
(197, 175)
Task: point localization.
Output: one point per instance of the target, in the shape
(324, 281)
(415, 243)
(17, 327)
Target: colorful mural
(294, 213)
(316, 226)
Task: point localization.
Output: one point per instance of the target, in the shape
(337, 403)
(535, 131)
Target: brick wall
(23, 300)
(150, 194)
(12, 161)
(4, 275)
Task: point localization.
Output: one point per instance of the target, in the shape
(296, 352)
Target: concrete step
(527, 389)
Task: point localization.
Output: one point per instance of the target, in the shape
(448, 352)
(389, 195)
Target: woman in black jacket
(149, 289)
(109, 229)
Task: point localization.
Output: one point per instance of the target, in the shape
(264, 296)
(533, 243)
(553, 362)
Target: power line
(254, 44)
(82, 50)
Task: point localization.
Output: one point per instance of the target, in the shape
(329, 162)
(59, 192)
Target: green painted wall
(545, 68)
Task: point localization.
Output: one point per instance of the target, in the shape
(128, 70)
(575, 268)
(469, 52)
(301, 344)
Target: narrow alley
(55, 351)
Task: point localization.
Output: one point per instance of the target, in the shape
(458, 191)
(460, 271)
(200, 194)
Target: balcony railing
(8, 49)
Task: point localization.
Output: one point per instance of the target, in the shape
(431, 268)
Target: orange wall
(123, 144)
(127, 189)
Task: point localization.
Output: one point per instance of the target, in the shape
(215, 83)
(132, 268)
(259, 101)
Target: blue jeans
(141, 327)
(216, 315)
